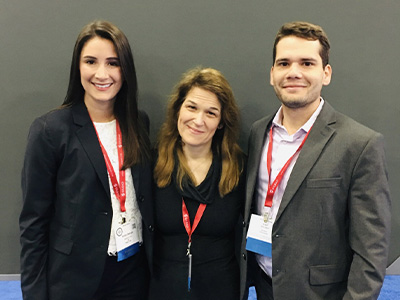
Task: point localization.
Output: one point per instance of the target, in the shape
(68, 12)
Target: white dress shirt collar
(277, 121)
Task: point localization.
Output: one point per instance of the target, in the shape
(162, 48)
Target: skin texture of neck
(199, 160)
(101, 112)
(294, 118)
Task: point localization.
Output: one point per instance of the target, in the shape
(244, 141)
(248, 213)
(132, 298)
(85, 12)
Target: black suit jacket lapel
(320, 134)
(88, 138)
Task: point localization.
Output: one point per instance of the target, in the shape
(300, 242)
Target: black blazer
(66, 217)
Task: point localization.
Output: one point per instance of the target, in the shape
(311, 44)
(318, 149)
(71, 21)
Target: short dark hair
(306, 31)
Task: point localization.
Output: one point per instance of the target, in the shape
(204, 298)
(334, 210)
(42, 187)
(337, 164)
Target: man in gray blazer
(317, 213)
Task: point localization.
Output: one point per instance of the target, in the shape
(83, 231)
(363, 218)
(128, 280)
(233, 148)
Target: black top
(215, 270)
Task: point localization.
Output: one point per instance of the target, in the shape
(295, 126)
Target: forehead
(98, 45)
(202, 96)
(291, 47)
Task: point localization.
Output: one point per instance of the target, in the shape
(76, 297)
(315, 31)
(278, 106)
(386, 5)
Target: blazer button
(151, 228)
(141, 198)
(244, 224)
(244, 256)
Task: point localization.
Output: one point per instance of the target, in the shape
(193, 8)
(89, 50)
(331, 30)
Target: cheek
(82, 74)
(83, 70)
(120, 78)
(214, 126)
(84, 79)
(180, 125)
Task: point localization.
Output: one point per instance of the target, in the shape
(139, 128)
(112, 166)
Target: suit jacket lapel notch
(88, 138)
(321, 132)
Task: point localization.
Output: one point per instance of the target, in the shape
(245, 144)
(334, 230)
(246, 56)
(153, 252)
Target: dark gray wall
(169, 37)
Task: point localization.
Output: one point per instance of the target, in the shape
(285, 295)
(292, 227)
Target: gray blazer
(331, 236)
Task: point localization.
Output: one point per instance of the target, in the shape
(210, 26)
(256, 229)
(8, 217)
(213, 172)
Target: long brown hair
(135, 139)
(224, 143)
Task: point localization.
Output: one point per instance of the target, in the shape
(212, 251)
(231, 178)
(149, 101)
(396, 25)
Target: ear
(271, 79)
(220, 126)
(327, 75)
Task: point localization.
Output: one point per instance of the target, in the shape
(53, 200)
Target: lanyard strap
(272, 187)
(190, 230)
(119, 189)
(186, 219)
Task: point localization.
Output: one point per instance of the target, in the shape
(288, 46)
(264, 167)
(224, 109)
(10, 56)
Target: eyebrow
(214, 108)
(195, 103)
(309, 59)
(89, 56)
(108, 58)
(302, 59)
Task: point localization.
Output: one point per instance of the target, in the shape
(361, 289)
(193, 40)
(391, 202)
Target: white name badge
(127, 240)
(259, 235)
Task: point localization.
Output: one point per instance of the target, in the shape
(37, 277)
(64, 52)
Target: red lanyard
(272, 187)
(186, 219)
(190, 230)
(119, 189)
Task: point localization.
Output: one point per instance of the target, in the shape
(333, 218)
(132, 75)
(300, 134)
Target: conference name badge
(259, 235)
(127, 240)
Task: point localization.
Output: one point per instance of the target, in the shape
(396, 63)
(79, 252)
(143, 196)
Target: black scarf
(208, 189)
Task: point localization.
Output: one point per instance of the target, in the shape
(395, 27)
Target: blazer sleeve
(38, 190)
(369, 228)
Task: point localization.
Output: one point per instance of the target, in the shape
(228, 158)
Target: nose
(294, 71)
(101, 72)
(199, 119)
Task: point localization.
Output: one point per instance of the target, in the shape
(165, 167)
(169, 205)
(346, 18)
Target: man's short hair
(306, 31)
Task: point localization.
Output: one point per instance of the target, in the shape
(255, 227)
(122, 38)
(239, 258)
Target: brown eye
(114, 63)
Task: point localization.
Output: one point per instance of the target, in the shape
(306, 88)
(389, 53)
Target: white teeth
(102, 85)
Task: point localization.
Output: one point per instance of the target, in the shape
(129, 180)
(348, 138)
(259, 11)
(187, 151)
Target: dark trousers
(124, 280)
(263, 285)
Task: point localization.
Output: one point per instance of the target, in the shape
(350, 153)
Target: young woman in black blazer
(87, 221)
